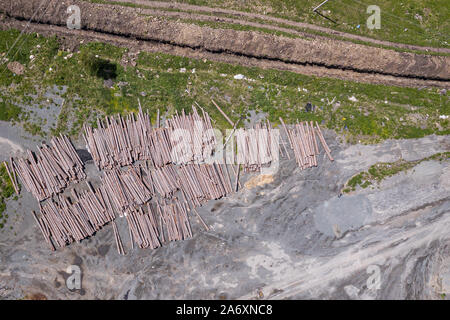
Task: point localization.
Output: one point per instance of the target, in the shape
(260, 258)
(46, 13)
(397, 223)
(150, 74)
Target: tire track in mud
(319, 58)
(70, 39)
(248, 15)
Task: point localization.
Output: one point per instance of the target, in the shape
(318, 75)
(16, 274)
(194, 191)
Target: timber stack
(65, 221)
(123, 141)
(49, 171)
(126, 188)
(256, 147)
(148, 176)
(303, 141)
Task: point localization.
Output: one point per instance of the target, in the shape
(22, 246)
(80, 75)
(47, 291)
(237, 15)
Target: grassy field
(359, 112)
(380, 171)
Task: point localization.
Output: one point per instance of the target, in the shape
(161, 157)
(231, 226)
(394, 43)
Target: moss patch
(9, 112)
(380, 171)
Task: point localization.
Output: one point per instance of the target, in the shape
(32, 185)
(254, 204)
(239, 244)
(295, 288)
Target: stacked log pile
(161, 222)
(49, 171)
(201, 183)
(65, 221)
(156, 196)
(197, 183)
(175, 219)
(143, 228)
(199, 147)
(255, 147)
(166, 218)
(163, 181)
(125, 189)
(303, 141)
(121, 142)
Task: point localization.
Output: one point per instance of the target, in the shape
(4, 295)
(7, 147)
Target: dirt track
(241, 18)
(319, 57)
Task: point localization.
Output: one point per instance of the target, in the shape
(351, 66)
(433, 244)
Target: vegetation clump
(380, 171)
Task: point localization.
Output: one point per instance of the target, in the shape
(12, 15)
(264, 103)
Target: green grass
(381, 112)
(6, 191)
(380, 171)
(9, 112)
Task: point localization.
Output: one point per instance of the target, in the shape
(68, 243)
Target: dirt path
(247, 15)
(320, 57)
(209, 18)
(70, 39)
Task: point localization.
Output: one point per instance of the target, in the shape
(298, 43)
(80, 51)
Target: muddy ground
(327, 53)
(292, 238)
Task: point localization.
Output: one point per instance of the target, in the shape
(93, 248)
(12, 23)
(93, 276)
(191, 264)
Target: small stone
(310, 107)
(16, 67)
(108, 83)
